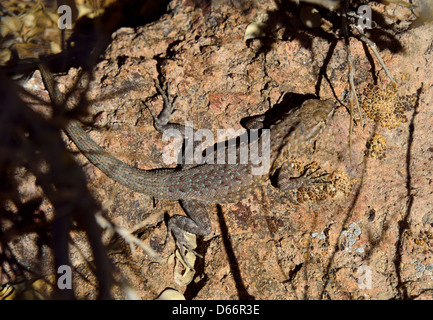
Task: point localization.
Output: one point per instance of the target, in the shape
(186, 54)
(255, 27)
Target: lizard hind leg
(196, 223)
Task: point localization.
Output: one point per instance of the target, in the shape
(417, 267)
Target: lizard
(207, 183)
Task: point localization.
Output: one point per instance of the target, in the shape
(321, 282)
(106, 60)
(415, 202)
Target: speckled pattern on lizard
(199, 185)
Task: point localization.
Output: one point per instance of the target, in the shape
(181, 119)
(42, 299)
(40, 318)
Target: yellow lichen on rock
(386, 106)
(376, 147)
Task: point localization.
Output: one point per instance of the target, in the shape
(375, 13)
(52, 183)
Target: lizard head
(313, 116)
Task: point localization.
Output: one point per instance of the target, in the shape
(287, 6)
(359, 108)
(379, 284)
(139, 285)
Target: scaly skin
(207, 183)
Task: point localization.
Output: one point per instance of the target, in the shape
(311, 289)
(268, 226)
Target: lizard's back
(207, 182)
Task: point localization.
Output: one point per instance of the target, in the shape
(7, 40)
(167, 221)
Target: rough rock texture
(374, 242)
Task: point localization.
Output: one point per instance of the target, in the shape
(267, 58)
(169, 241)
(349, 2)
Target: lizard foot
(161, 121)
(308, 178)
(182, 243)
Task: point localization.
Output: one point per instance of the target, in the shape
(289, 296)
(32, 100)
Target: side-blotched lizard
(207, 183)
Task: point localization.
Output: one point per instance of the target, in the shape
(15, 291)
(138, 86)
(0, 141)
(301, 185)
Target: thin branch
(353, 95)
(127, 236)
(373, 48)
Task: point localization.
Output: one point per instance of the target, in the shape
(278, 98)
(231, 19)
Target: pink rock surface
(373, 243)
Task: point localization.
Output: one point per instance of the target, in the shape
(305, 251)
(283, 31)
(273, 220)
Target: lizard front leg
(162, 123)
